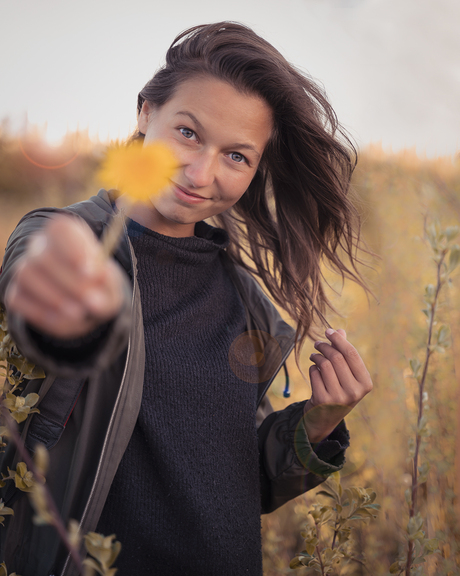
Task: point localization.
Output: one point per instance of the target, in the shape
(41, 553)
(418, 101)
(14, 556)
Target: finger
(46, 319)
(78, 270)
(38, 284)
(73, 242)
(64, 266)
(65, 251)
(100, 300)
(349, 353)
(335, 386)
(35, 288)
(105, 297)
(30, 309)
(342, 332)
(60, 309)
(319, 393)
(333, 360)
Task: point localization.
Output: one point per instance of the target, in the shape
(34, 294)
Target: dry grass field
(397, 194)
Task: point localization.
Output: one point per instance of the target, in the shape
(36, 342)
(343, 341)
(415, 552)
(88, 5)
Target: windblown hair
(296, 212)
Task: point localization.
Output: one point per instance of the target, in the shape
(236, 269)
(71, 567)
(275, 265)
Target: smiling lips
(185, 195)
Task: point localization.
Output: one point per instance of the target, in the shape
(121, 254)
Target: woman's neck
(149, 217)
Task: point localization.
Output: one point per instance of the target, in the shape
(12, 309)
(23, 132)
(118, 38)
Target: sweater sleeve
(66, 358)
(289, 464)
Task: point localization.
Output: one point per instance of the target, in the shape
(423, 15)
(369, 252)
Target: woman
(161, 445)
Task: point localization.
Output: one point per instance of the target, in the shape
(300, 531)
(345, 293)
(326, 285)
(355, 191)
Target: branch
(52, 508)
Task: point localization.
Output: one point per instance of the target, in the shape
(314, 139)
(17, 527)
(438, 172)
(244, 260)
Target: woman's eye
(187, 133)
(237, 157)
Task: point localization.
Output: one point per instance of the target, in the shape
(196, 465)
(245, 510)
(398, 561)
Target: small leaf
(415, 366)
(431, 545)
(6, 511)
(38, 499)
(451, 232)
(295, 563)
(73, 531)
(424, 468)
(454, 257)
(41, 459)
(23, 478)
(36, 373)
(31, 399)
(442, 333)
(430, 292)
(93, 564)
(102, 548)
(325, 493)
(396, 567)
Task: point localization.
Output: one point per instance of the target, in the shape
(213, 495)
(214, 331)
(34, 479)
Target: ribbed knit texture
(186, 498)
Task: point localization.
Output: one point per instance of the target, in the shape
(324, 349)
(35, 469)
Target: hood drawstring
(286, 392)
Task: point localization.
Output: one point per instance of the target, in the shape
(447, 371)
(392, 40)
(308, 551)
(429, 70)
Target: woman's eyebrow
(192, 117)
(201, 127)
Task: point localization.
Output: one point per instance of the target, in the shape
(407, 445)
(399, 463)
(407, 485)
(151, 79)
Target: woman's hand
(339, 380)
(62, 285)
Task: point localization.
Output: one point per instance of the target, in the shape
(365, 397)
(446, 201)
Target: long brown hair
(296, 212)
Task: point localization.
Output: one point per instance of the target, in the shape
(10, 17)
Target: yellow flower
(138, 171)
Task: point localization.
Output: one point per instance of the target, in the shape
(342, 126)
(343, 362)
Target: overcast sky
(391, 68)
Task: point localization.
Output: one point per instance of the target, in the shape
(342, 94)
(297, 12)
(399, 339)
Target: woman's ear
(144, 116)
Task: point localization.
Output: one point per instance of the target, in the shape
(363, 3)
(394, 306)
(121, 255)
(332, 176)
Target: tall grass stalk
(446, 258)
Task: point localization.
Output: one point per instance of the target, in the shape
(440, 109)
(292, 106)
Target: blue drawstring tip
(286, 392)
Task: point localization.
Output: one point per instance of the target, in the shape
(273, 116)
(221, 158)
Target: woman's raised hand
(339, 380)
(62, 285)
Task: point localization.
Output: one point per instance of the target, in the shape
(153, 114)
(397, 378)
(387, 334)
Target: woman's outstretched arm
(68, 308)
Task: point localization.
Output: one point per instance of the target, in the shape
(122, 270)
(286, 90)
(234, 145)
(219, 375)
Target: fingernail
(37, 245)
(317, 343)
(329, 331)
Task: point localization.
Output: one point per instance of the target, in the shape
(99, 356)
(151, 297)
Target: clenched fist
(63, 285)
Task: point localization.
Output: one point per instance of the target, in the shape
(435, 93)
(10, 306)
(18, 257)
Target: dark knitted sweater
(186, 497)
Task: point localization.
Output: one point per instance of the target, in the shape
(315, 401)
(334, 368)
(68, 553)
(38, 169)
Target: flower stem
(112, 234)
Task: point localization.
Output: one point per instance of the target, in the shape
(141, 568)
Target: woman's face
(218, 136)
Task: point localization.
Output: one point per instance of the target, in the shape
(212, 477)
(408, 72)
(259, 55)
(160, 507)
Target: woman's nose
(200, 170)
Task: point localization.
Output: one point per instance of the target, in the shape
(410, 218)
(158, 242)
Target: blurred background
(70, 73)
(390, 67)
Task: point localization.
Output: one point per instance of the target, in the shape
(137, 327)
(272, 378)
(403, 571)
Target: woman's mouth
(187, 196)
